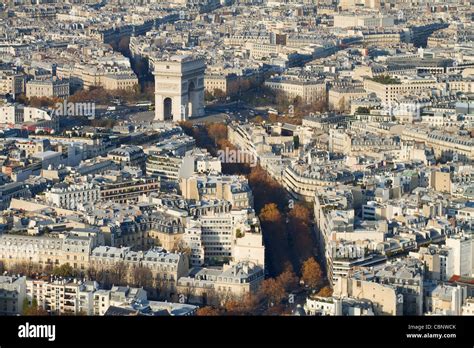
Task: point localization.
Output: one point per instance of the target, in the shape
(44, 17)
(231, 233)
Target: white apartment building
(249, 247)
(14, 114)
(218, 232)
(53, 251)
(131, 155)
(91, 147)
(384, 297)
(468, 307)
(166, 268)
(337, 232)
(193, 239)
(117, 296)
(32, 146)
(119, 81)
(316, 305)
(18, 248)
(446, 264)
(309, 91)
(445, 300)
(62, 296)
(208, 164)
(73, 296)
(245, 137)
(12, 294)
(234, 235)
(12, 83)
(229, 83)
(463, 254)
(214, 286)
(389, 92)
(261, 50)
(72, 196)
(363, 20)
(51, 88)
(169, 168)
(439, 261)
(323, 306)
(445, 146)
(302, 180)
(339, 141)
(234, 189)
(340, 98)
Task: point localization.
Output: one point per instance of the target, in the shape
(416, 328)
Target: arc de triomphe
(179, 88)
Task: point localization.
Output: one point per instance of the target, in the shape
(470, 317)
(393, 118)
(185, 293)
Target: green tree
(386, 80)
(33, 309)
(362, 110)
(258, 119)
(239, 233)
(208, 96)
(296, 142)
(64, 270)
(25, 306)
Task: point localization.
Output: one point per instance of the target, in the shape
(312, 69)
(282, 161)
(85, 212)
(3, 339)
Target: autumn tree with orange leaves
(311, 273)
(273, 291)
(288, 279)
(325, 292)
(244, 305)
(207, 312)
(270, 213)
